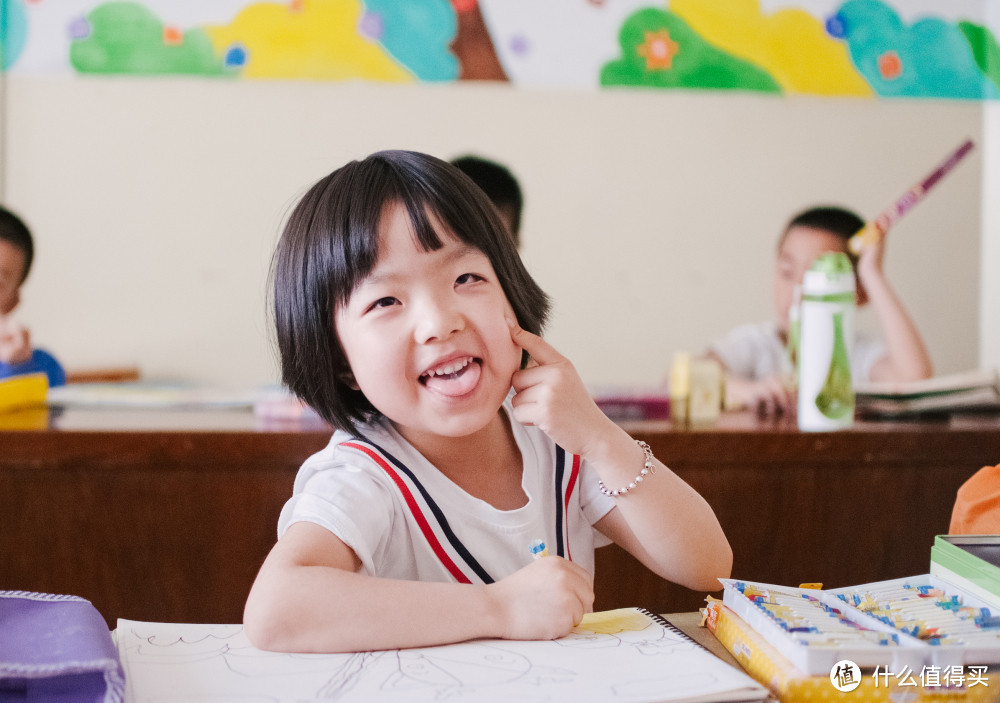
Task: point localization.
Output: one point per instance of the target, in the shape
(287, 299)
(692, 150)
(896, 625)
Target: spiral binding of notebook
(667, 625)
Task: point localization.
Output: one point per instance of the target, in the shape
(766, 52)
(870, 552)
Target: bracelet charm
(648, 468)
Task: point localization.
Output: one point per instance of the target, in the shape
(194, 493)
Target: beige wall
(989, 314)
(651, 216)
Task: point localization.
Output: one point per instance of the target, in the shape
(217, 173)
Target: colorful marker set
(948, 617)
(929, 613)
(918, 621)
(815, 630)
(810, 621)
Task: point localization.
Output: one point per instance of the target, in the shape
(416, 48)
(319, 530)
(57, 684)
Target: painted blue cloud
(417, 33)
(13, 31)
(930, 58)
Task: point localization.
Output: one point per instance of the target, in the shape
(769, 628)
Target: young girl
(404, 317)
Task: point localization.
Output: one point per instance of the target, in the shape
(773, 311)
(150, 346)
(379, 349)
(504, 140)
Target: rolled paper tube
(881, 224)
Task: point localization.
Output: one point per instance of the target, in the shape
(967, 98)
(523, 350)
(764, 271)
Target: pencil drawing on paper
(201, 662)
(227, 655)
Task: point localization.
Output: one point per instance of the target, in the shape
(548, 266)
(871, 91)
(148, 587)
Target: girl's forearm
(667, 524)
(325, 609)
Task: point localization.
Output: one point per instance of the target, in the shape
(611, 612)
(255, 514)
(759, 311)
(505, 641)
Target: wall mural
(861, 48)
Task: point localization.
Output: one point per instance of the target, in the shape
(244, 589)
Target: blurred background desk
(167, 515)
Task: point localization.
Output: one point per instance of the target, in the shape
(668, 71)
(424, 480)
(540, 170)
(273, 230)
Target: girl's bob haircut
(330, 244)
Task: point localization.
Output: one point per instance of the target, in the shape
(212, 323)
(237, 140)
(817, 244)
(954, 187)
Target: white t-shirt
(405, 519)
(755, 352)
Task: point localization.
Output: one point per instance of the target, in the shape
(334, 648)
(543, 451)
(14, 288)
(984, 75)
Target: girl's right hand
(544, 600)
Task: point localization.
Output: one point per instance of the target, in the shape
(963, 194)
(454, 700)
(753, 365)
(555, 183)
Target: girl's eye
(386, 302)
(468, 278)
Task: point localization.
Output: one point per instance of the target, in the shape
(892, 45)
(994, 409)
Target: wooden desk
(690, 625)
(166, 516)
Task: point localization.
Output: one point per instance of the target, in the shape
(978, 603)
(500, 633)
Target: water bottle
(826, 320)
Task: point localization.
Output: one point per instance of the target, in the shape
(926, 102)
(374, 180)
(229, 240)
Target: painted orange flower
(659, 50)
(172, 36)
(890, 66)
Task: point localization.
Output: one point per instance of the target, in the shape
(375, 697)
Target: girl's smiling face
(426, 334)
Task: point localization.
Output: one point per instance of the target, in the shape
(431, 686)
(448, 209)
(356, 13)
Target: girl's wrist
(870, 271)
(491, 611)
(647, 471)
(615, 450)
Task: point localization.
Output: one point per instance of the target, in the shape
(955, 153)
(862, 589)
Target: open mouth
(454, 378)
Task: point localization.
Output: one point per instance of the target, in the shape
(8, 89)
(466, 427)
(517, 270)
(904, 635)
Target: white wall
(651, 217)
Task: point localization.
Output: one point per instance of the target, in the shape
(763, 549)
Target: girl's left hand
(550, 395)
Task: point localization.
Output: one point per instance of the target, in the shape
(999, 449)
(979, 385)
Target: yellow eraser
(25, 391)
(812, 586)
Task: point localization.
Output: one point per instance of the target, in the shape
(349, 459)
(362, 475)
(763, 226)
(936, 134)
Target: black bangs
(428, 186)
(423, 231)
(372, 186)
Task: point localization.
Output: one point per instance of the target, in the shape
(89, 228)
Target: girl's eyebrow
(463, 250)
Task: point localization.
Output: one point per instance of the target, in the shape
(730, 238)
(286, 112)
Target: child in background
(404, 317)
(500, 186)
(753, 355)
(16, 355)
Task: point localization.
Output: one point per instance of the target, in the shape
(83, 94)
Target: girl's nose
(438, 320)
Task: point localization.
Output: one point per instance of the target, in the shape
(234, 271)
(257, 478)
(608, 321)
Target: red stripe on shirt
(417, 512)
(570, 485)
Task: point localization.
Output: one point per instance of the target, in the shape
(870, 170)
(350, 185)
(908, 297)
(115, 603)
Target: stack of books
(971, 391)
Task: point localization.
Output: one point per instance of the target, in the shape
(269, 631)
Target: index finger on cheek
(517, 332)
(511, 319)
(540, 350)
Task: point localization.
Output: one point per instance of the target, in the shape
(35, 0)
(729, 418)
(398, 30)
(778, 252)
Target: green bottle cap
(832, 263)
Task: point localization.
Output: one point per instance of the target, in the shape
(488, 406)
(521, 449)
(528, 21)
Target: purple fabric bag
(56, 649)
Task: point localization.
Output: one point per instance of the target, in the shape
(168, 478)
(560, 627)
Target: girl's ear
(347, 378)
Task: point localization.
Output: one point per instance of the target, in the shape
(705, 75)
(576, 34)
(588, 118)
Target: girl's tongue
(455, 384)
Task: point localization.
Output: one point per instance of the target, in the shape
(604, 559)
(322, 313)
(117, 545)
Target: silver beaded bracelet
(648, 468)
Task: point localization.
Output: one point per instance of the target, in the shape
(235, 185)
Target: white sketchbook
(616, 656)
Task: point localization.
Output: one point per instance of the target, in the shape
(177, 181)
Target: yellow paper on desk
(26, 391)
(791, 685)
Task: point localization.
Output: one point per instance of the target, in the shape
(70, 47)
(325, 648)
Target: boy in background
(16, 355)
(753, 354)
(500, 186)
